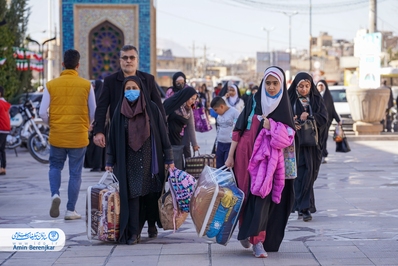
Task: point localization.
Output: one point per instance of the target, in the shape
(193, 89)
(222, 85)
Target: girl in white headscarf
(232, 98)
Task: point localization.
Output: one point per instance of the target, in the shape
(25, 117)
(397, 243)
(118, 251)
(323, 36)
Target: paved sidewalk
(356, 222)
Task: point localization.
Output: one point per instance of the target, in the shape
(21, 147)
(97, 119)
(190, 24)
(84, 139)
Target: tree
(12, 34)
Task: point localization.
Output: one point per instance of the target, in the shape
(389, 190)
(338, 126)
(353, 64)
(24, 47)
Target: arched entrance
(105, 42)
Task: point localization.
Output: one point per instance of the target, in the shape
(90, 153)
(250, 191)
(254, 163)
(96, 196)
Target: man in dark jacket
(112, 89)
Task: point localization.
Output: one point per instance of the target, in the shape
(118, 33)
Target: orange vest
(68, 112)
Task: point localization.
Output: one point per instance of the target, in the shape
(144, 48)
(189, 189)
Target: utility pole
(193, 60)
(310, 34)
(268, 31)
(290, 15)
(372, 16)
(204, 61)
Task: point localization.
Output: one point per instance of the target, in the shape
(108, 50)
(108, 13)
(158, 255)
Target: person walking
(226, 120)
(5, 127)
(137, 152)
(112, 91)
(267, 121)
(304, 98)
(179, 112)
(70, 101)
(179, 82)
(233, 99)
(323, 89)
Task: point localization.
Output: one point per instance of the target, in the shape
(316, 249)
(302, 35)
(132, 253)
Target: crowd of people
(127, 120)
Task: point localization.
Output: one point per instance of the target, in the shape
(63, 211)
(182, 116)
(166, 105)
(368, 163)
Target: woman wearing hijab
(303, 95)
(179, 114)
(323, 89)
(263, 219)
(232, 98)
(179, 82)
(136, 150)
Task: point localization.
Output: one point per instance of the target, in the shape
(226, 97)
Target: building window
(105, 42)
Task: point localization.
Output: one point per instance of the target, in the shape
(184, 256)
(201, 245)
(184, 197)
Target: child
(5, 128)
(226, 119)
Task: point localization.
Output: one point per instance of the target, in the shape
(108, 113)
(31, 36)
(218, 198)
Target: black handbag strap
(309, 105)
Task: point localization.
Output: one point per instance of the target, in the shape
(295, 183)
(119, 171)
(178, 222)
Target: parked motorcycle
(27, 129)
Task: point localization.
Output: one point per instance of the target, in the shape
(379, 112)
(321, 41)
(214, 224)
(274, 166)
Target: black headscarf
(178, 99)
(283, 112)
(175, 77)
(328, 100)
(314, 95)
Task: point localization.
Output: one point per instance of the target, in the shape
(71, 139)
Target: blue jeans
(222, 153)
(57, 161)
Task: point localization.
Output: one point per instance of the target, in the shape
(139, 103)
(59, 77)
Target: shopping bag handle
(106, 175)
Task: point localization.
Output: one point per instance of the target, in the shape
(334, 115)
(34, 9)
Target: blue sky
(231, 29)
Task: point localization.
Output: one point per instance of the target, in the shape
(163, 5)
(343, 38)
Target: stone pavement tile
(54, 255)
(92, 261)
(238, 259)
(378, 246)
(291, 258)
(385, 261)
(87, 251)
(139, 249)
(146, 260)
(311, 244)
(5, 255)
(30, 262)
(184, 260)
(348, 261)
(184, 249)
(292, 246)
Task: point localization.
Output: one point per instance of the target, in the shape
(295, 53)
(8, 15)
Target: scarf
(269, 103)
(184, 111)
(138, 122)
(305, 100)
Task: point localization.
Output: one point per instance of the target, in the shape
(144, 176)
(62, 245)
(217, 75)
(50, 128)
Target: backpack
(182, 186)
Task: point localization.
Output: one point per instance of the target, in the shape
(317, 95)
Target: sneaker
(258, 250)
(55, 202)
(245, 243)
(324, 160)
(72, 215)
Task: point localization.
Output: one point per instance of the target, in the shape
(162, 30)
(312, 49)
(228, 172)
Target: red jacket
(4, 116)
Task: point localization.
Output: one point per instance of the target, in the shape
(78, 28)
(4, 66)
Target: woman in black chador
(323, 89)
(138, 151)
(303, 95)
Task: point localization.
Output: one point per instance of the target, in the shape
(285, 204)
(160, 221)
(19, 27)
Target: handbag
(194, 165)
(308, 134)
(202, 123)
(166, 212)
(343, 146)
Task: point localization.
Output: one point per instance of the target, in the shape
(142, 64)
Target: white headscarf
(233, 99)
(268, 104)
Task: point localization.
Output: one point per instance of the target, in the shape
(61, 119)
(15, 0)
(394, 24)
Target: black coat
(328, 100)
(111, 93)
(116, 151)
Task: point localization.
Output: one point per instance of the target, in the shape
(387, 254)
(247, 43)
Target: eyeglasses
(131, 57)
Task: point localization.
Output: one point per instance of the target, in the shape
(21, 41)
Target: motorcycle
(27, 129)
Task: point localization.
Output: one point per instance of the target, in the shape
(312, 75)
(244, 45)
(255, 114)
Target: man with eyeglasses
(112, 89)
(110, 95)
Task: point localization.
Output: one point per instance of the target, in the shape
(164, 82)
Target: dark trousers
(3, 138)
(222, 153)
(134, 218)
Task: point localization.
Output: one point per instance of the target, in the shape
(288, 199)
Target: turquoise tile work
(144, 27)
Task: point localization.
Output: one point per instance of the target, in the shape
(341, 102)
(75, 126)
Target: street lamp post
(290, 15)
(268, 31)
(41, 75)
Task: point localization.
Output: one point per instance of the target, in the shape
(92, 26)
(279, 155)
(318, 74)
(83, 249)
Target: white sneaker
(245, 243)
(72, 215)
(258, 250)
(54, 209)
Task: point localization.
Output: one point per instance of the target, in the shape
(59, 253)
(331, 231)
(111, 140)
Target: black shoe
(152, 232)
(95, 170)
(300, 215)
(133, 240)
(306, 216)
